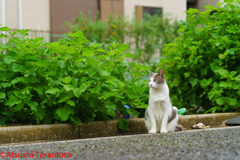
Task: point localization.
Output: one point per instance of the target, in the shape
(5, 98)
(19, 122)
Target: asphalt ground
(216, 144)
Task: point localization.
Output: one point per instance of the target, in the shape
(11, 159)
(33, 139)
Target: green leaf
(96, 89)
(18, 107)
(9, 60)
(237, 78)
(193, 81)
(64, 112)
(187, 74)
(61, 64)
(68, 87)
(5, 29)
(123, 47)
(63, 99)
(74, 82)
(101, 50)
(96, 45)
(2, 95)
(123, 124)
(220, 101)
(32, 79)
(235, 86)
(223, 84)
(76, 120)
(232, 101)
(213, 109)
(39, 117)
(104, 73)
(4, 46)
(232, 73)
(18, 79)
(205, 83)
(17, 68)
(71, 103)
(33, 105)
(52, 91)
(231, 51)
(128, 54)
(13, 100)
(222, 72)
(39, 89)
(78, 91)
(214, 67)
(5, 85)
(111, 109)
(66, 80)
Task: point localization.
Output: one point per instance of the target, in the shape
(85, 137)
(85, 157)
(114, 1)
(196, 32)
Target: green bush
(71, 80)
(202, 67)
(145, 38)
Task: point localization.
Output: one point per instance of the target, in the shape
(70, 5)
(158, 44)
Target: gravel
(214, 144)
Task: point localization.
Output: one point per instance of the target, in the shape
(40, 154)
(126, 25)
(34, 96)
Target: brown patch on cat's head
(160, 77)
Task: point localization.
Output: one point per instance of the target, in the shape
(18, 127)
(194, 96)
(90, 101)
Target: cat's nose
(150, 85)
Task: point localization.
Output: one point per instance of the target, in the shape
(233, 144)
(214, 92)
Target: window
(152, 11)
(141, 11)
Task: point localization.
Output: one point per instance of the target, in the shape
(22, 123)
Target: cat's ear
(150, 73)
(161, 72)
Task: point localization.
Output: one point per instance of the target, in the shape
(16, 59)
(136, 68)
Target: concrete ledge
(17, 134)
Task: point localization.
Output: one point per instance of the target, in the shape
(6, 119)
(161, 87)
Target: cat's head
(156, 79)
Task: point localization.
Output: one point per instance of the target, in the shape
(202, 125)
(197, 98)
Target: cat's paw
(152, 131)
(164, 131)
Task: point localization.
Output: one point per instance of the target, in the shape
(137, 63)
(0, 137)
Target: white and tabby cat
(160, 116)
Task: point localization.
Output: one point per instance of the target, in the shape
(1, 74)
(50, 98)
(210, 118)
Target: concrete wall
(35, 14)
(173, 7)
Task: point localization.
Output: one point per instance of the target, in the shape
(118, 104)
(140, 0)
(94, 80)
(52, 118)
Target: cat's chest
(158, 97)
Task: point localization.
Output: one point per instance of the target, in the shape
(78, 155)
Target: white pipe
(20, 14)
(184, 10)
(3, 18)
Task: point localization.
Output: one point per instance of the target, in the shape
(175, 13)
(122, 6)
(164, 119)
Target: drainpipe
(184, 10)
(3, 18)
(20, 14)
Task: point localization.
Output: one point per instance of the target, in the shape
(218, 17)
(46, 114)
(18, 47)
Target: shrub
(71, 80)
(202, 66)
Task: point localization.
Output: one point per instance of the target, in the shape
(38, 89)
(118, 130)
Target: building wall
(35, 14)
(202, 3)
(11, 13)
(174, 8)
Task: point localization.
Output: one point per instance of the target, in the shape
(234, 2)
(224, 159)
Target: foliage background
(202, 67)
(145, 38)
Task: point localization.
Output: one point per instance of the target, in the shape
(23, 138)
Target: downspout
(20, 14)
(184, 10)
(3, 18)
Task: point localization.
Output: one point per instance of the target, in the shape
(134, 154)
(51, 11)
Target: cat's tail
(178, 128)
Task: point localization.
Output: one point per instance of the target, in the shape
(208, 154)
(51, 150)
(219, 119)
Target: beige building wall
(202, 3)
(174, 8)
(35, 14)
(11, 13)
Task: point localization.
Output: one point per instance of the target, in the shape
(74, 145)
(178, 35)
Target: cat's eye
(155, 80)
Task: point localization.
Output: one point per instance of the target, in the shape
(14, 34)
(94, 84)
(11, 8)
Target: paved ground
(214, 144)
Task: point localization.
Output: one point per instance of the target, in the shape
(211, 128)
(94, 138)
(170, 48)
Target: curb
(53, 132)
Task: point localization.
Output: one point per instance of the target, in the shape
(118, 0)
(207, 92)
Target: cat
(160, 116)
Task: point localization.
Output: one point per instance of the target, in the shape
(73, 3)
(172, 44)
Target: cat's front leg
(164, 123)
(153, 128)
